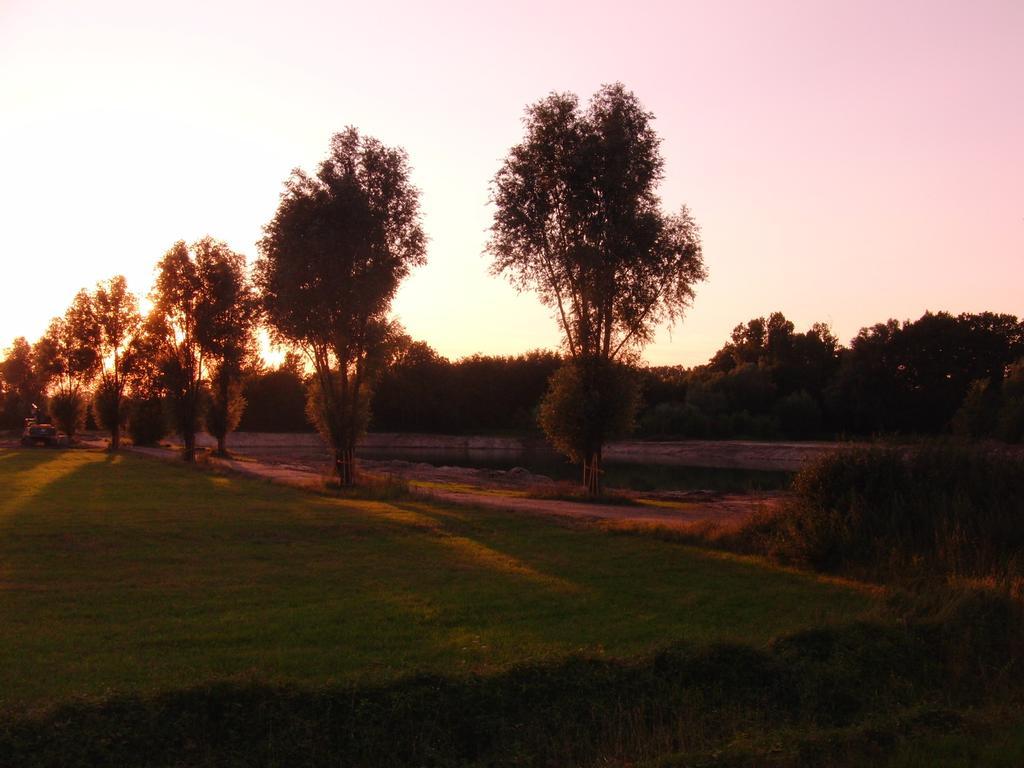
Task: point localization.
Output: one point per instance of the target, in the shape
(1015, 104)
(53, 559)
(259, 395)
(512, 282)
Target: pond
(632, 476)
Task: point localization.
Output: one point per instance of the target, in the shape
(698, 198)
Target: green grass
(153, 614)
(124, 575)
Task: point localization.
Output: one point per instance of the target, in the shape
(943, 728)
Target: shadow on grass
(864, 679)
(42, 471)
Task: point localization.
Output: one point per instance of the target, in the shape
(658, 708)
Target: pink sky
(848, 162)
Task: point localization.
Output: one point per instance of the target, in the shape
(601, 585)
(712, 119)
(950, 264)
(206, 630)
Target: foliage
(588, 405)
(110, 409)
(275, 402)
(935, 509)
(798, 415)
(1010, 417)
(201, 321)
(578, 221)
(147, 420)
(230, 340)
(994, 407)
(119, 323)
(68, 411)
(767, 381)
(796, 361)
(421, 391)
(226, 405)
(68, 358)
(21, 384)
(911, 377)
(330, 263)
(320, 413)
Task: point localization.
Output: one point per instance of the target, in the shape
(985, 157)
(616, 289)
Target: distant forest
(942, 373)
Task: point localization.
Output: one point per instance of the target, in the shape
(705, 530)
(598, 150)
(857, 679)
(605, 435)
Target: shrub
(586, 407)
(147, 421)
(68, 409)
(938, 508)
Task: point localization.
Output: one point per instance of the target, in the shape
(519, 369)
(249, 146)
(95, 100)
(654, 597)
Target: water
(637, 477)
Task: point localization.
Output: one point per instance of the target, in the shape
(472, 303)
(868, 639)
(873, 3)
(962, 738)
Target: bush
(937, 508)
(147, 421)
(587, 405)
(68, 409)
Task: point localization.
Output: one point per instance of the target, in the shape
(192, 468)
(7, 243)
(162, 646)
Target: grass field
(121, 574)
(155, 614)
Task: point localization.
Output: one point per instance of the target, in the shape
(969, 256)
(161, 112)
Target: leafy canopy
(578, 221)
(340, 243)
(331, 261)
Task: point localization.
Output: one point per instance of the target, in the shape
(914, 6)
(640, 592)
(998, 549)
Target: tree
(68, 359)
(146, 406)
(578, 221)
(228, 322)
(199, 314)
(331, 260)
(577, 414)
(912, 377)
(20, 383)
(117, 316)
(276, 400)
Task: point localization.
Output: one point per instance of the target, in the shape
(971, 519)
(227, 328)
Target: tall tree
(578, 221)
(68, 359)
(117, 317)
(20, 383)
(331, 261)
(196, 316)
(229, 323)
(912, 377)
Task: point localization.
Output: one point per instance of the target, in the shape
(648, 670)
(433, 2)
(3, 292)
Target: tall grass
(932, 509)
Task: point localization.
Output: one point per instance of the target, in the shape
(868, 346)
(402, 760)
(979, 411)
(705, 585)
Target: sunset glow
(847, 162)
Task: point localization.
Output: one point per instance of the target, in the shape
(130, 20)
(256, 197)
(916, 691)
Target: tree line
(940, 374)
(943, 373)
(578, 221)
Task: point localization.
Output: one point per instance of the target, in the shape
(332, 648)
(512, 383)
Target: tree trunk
(592, 474)
(345, 465)
(222, 445)
(115, 430)
(189, 454)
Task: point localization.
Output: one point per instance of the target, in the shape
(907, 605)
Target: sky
(847, 162)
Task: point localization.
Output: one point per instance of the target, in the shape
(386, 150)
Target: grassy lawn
(120, 575)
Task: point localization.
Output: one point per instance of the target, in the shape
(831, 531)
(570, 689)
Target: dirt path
(673, 510)
(727, 454)
(726, 508)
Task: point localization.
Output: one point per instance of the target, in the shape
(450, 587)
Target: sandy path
(682, 511)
